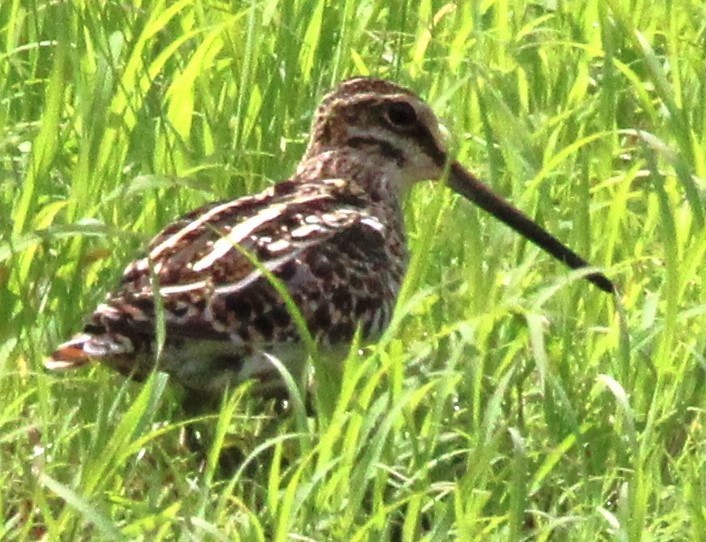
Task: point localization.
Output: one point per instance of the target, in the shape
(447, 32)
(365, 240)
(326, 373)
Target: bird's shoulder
(221, 242)
(210, 268)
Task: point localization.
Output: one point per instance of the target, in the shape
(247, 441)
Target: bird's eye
(401, 115)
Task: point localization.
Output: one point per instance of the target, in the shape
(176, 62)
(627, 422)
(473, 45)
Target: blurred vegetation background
(508, 401)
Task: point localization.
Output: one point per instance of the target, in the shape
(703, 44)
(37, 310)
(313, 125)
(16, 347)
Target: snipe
(333, 234)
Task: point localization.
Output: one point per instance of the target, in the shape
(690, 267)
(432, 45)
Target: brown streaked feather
(318, 238)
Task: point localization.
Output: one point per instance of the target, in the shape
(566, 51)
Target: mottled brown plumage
(333, 234)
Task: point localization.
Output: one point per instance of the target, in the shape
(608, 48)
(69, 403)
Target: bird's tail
(69, 355)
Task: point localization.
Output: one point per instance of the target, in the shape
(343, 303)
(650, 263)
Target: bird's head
(384, 121)
(398, 132)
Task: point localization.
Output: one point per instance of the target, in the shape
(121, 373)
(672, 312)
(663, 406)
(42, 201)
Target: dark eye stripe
(386, 149)
(428, 144)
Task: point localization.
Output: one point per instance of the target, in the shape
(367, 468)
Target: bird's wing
(317, 238)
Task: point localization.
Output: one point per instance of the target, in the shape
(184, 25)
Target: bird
(329, 241)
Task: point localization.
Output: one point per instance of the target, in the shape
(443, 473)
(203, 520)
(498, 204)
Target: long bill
(471, 188)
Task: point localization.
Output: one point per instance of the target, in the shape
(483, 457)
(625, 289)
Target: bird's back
(212, 273)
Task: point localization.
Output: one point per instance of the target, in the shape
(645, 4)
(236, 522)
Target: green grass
(509, 400)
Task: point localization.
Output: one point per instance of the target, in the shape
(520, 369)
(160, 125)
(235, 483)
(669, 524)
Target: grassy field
(509, 400)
